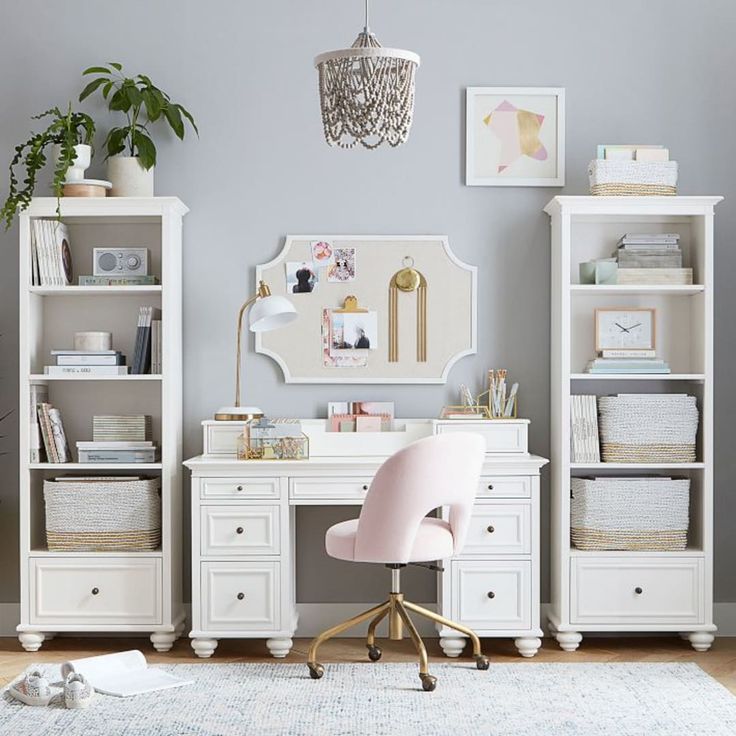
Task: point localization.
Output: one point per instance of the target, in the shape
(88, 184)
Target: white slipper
(78, 692)
(33, 689)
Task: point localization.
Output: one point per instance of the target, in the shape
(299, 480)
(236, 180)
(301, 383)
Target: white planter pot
(128, 177)
(81, 162)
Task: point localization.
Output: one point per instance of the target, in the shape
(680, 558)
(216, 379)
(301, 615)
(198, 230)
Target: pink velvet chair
(394, 530)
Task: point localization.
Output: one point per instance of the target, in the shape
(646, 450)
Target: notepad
(122, 674)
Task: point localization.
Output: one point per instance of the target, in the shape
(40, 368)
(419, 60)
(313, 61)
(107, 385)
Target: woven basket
(632, 178)
(629, 513)
(102, 515)
(648, 428)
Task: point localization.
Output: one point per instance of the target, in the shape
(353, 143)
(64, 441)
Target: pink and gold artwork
(518, 132)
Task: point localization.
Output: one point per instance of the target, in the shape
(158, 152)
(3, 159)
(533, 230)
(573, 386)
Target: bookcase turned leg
(31, 640)
(701, 640)
(528, 646)
(453, 646)
(163, 640)
(279, 647)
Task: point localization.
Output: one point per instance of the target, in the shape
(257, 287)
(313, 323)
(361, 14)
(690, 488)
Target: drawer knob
(239, 530)
(241, 596)
(491, 529)
(365, 487)
(239, 488)
(491, 594)
(95, 591)
(490, 486)
(638, 590)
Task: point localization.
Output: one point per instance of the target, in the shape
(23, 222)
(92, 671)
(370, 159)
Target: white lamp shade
(270, 313)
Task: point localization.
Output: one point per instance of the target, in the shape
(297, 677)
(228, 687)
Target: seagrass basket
(632, 178)
(650, 514)
(102, 515)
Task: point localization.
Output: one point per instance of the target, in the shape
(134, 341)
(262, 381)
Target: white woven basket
(629, 513)
(103, 515)
(648, 428)
(633, 178)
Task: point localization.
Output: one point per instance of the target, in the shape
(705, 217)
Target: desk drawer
(245, 529)
(640, 591)
(329, 488)
(505, 486)
(501, 436)
(500, 528)
(89, 591)
(239, 488)
(492, 595)
(242, 596)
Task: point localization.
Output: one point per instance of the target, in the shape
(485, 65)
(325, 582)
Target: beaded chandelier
(366, 92)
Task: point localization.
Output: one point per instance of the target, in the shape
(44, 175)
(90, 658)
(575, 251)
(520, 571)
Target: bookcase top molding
(588, 204)
(106, 207)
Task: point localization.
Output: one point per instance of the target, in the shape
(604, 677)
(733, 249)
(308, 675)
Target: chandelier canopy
(366, 92)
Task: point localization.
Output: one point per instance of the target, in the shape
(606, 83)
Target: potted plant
(143, 104)
(70, 134)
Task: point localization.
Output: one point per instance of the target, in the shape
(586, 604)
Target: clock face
(630, 329)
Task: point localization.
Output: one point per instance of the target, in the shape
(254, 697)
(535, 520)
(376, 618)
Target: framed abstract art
(515, 137)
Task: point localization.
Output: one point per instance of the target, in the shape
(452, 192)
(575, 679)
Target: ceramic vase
(128, 177)
(80, 163)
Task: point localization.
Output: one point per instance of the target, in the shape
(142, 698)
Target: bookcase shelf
(49, 317)
(583, 229)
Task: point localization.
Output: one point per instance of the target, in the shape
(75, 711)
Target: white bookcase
(88, 591)
(632, 591)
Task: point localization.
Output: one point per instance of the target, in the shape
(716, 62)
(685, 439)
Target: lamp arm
(238, 352)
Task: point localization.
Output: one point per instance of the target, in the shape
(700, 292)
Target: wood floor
(720, 662)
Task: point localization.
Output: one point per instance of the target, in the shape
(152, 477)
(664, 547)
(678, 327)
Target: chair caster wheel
(429, 683)
(482, 662)
(374, 653)
(316, 670)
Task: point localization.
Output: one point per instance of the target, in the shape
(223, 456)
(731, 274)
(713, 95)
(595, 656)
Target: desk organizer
(629, 514)
(648, 428)
(104, 515)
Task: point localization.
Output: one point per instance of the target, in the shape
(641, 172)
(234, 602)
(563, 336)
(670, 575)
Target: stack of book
(584, 442)
(147, 342)
(87, 363)
(648, 258)
(119, 439)
(52, 432)
(51, 258)
(627, 361)
(113, 280)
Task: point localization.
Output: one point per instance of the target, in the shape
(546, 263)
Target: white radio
(120, 261)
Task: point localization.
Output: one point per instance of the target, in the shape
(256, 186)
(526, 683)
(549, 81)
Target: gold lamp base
(237, 413)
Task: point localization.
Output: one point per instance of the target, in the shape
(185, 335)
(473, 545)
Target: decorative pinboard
(372, 309)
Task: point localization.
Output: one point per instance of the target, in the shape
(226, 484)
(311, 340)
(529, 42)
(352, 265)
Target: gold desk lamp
(268, 312)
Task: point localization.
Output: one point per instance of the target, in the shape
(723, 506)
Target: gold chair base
(397, 610)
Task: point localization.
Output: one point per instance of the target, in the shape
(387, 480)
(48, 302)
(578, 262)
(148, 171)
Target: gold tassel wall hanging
(407, 279)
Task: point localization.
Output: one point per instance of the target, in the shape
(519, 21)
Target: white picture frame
(499, 156)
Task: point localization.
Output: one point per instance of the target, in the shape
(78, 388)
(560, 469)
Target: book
(59, 436)
(649, 259)
(628, 353)
(61, 255)
(114, 445)
(584, 445)
(142, 353)
(156, 363)
(35, 276)
(652, 154)
(39, 395)
(86, 370)
(113, 280)
(620, 152)
(117, 456)
(95, 359)
(122, 674)
(655, 276)
(663, 238)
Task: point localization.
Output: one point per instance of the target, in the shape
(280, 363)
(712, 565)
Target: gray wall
(660, 71)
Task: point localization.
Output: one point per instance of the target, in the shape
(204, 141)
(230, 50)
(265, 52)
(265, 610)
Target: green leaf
(115, 142)
(146, 150)
(91, 87)
(133, 94)
(96, 70)
(115, 65)
(189, 117)
(119, 101)
(153, 108)
(174, 117)
(106, 89)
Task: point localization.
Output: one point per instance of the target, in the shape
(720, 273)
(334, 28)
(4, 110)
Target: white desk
(243, 525)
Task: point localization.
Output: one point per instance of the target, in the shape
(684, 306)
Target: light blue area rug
(380, 699)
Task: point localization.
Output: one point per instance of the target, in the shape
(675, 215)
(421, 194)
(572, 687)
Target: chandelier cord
(367, 27)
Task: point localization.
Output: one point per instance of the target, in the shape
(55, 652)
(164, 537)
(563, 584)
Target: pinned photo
(322, 253)
(301, 277)
(354, 331)
(343, 267)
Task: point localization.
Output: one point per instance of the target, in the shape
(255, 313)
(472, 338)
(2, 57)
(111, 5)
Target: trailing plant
(67, 129)
(143, 103)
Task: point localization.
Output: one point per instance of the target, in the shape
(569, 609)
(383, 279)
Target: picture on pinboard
(301, 277)
(322, 253)
(354, 331)
(343, 267)
(515, 136)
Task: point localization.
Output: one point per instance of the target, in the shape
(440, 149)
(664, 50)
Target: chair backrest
(442, 470)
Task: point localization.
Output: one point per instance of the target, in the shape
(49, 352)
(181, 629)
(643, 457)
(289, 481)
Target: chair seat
(433, 541)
